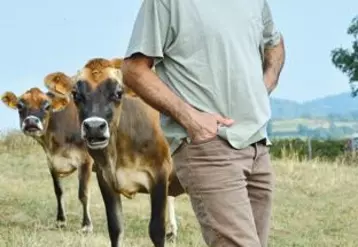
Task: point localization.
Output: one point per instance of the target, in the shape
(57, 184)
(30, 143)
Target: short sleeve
(271, 35)
(151, 33)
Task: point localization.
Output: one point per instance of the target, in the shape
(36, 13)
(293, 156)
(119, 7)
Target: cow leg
(112, 203)
(84, 195)
(173, 226)
(158, 198)
(61, 217)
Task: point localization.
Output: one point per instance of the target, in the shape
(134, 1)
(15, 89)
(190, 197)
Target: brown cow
(45, 117)
(124, 137)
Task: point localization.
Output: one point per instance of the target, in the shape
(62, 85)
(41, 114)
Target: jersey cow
(124, 137)
(53, 122)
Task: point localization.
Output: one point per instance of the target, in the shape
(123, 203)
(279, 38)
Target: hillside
(340, 105)
(334, 116)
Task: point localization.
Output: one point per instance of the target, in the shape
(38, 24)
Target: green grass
(316, 204)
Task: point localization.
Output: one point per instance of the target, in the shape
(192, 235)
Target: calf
(124, 137)
(45, 117)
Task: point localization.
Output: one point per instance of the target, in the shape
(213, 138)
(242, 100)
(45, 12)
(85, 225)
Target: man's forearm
(145, 83)
(274, 58)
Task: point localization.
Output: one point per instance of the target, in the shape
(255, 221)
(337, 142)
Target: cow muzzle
(32, 126)
(95, 132)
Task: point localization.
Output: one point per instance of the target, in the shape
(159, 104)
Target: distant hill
(334, 116)
(341, 105)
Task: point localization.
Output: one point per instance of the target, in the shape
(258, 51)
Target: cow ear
(10, 99)
(59, 103)
(58, 83)
(117, 62)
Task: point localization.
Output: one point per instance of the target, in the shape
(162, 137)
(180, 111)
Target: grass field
(316, 204)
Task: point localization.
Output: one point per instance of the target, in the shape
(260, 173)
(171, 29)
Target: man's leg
(214, 176)
(260, 187)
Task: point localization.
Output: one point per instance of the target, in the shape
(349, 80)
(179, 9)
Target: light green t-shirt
(209, 53)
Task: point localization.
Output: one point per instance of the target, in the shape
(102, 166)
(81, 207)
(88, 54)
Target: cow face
(34, 107)
(97, 92)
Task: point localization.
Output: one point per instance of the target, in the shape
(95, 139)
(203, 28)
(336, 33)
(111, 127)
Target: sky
(40, 36)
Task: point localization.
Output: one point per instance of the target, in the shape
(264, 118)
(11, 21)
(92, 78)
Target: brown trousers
(230, 191)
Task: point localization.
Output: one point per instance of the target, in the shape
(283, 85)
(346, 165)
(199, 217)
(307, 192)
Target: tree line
(329, 150)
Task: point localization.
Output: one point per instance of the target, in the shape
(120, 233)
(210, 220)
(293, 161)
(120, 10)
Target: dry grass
(315, 205)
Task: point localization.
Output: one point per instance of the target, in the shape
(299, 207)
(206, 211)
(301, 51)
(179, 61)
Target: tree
(346, 60)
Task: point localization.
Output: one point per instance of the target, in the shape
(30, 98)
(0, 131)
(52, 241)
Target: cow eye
(76, 96)
(20, 105)
(117, 95)
(47, 106)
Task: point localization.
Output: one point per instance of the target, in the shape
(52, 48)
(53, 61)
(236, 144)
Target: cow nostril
(102, 126)
(86, 125)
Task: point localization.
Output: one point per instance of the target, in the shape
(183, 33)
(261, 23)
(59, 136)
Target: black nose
(93, 125)
(95, 129)
(31, 123)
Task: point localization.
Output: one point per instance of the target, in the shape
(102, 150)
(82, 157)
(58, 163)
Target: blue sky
(41, 36)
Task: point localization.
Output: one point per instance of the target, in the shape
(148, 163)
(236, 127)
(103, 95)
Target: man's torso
(215, 65)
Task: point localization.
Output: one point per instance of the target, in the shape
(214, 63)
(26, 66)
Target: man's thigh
(215, 178)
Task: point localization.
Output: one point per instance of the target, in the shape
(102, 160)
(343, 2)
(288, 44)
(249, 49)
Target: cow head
(97, 91)
(34, 107)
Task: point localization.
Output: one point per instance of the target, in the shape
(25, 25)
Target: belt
(262, 142)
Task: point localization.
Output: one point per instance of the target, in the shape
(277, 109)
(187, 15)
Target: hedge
(323, 149)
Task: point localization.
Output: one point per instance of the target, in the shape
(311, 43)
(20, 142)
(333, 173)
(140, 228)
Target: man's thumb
(224, 121)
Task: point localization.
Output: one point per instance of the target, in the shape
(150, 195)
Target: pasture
(316, 204)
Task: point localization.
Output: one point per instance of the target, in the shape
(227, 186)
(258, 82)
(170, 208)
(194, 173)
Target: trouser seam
(257, 156)
(201, 205)
(254, 166)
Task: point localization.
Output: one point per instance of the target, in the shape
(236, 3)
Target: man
(216, 64)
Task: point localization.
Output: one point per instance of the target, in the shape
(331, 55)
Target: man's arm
(138, 75)
(274, 59)
(152, 35)
(273, 50)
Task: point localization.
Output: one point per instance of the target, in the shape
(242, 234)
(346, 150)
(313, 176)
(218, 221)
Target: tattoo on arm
(274, 58)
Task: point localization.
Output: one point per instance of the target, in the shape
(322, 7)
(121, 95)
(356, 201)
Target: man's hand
(204, 126)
